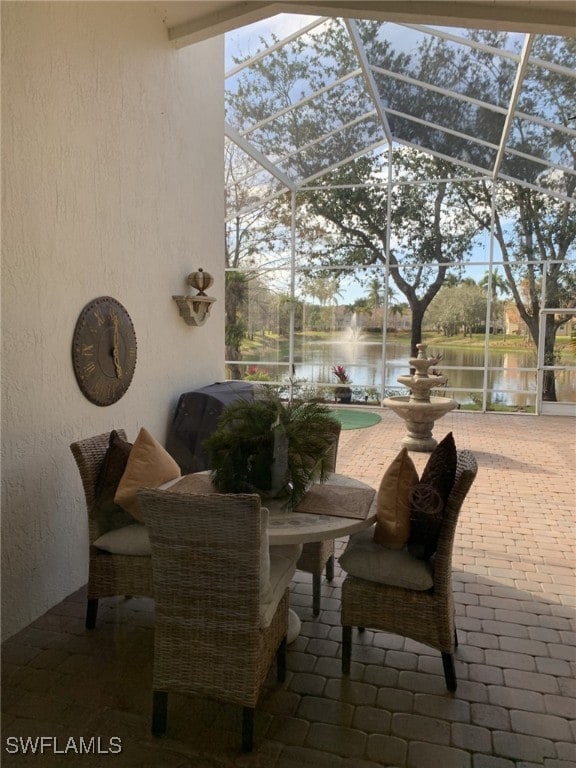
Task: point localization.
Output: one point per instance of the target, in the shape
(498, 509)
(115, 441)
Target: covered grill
(196, 418)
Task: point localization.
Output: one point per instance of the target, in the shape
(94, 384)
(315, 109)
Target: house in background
(112, 160)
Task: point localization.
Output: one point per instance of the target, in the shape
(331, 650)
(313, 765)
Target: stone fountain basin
(424, 383)
(411, 410)
(420, 417)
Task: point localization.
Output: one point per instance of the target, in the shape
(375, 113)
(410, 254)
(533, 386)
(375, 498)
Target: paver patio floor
(515, 706)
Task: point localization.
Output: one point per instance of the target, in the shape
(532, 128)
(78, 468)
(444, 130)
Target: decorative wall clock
(104, 350)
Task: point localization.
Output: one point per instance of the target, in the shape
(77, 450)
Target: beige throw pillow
(393, 503)
(149, 465)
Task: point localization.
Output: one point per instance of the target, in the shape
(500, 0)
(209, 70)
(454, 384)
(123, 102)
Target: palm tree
(498, 284)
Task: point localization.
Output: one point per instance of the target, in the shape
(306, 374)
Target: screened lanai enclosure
(390, 184)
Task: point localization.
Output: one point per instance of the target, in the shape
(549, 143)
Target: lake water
(514, 385)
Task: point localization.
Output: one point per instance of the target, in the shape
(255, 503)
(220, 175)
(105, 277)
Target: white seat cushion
(366, 559)
(282, 569)
(129, 540)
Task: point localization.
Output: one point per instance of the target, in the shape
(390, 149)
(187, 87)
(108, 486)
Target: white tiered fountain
(420, 410)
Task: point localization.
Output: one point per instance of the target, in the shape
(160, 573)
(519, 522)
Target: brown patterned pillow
(425, 521)
(440, 470)
(429, 498)
(105, 512)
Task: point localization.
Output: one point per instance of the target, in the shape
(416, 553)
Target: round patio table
(333, 509)
(299, 527)
(295, 527)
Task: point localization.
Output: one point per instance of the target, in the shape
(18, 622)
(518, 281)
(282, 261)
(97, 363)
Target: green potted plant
(342, 393)
(272, 448)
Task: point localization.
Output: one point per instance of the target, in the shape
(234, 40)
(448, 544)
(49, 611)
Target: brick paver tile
(520, 747)
(371, 720)
(547, 726)
(484, 673)
(387, 750)
(532, 681)
(350, 691)
(332, 667)
(338, 739)
(511, 660)
(556, 667)
(421, 755)
(306, 683)
(443, 707)
(380, 676)
(566, 751)
(490, 716)
(320, 710)
(471, 737)
(563, 706)
(516, 698)
(420, 728)
(303, 757)
(489, 761)
(288, 730)
(395, 700)
(421, 683)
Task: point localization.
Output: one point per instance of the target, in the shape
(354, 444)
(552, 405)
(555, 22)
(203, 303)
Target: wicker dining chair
(317, 555)
(108, 574)
(219, 618)
(426, 616)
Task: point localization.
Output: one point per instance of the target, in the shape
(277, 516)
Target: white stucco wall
(112, 154)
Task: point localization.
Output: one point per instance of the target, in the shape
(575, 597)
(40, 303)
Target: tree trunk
(416, 331)
(549, 382)
(235, 290)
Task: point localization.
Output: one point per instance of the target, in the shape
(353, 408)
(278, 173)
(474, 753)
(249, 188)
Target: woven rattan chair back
(206, 560)
(108, 575)
(425, 616)
(319, 554)
(89, 455)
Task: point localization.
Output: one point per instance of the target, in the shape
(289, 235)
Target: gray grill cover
(196, 418)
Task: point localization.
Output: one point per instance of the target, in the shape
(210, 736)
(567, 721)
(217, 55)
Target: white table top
(286, 527)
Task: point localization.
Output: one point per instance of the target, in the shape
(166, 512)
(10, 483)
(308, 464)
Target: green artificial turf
(355, 418)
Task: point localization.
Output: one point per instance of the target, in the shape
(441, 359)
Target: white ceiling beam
(515, 96)
(371, 86)
(543, 16)
(255, 154)
(191, 22)
(219, 18)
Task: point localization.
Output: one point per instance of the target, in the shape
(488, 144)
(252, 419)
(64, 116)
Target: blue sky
(245, 41)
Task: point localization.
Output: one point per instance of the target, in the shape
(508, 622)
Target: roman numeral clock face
(104, 351)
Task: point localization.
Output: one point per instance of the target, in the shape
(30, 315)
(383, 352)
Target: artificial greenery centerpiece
(272, 448)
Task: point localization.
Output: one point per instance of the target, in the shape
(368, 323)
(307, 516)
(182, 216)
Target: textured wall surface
(112, 154)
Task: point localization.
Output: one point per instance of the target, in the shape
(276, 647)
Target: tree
(536, 232)
(433, 222)
(431, 231)
(459, 308)
(375, 298)
(541, 237)
(248, 243)
(497, 284)
(398, 310)
(428, 233)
